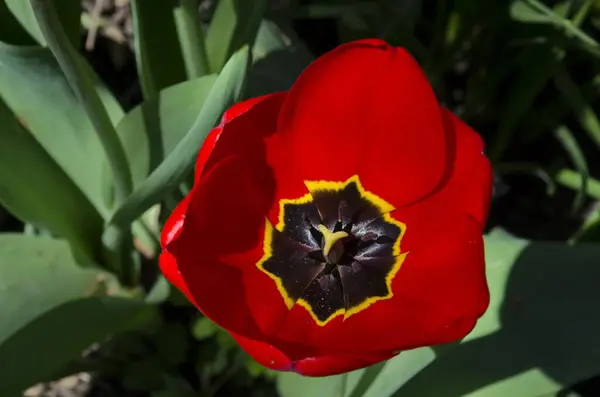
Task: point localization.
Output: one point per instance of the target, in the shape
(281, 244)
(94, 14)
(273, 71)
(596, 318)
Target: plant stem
(82, 85)
(191, 38)
(67, 57)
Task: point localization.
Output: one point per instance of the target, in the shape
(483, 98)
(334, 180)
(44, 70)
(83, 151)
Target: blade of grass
(569, 27)
(191, 39)
(582, 13)
(585, 113)
(529, 84)
(556, 110)
(569, 143)
(590, 230)
(573, 180)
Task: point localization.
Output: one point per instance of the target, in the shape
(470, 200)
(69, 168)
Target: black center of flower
(334, 251)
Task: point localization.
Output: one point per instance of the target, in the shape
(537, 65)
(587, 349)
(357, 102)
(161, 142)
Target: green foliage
(77, 149)
(52, 305)
(524, 73)
(65, 209)
(235, 23)
(153, 46)
(154, 128)
(69, 12)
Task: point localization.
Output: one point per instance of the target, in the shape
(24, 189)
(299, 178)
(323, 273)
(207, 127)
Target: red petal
(172, 230)
(439, 292)
(334, 365)
(240, 185)
(269, 109)
(271, 357)
(264, 353)
(366, 108)
(240, 108)
(207, 235)
(442, 220)
(469, 188)
(244, 128)
(207, 147)
(174, 223)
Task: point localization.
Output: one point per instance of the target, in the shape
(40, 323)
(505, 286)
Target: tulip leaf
(278, 59)
(173, 170)
(69, 13)
(11, 30)
(234, 24)
(54, 116)
(36, 189)
(395, 373)
(167, 117)
(539, 333)
(290, 384)
(523, 11)
(52, 309)
(157, 50)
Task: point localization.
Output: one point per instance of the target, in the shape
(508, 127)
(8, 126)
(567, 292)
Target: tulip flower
(339, 223)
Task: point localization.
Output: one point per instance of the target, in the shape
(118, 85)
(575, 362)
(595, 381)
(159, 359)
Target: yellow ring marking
(317, 186)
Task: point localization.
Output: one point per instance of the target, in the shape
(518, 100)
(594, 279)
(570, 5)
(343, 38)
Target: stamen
(330, 238)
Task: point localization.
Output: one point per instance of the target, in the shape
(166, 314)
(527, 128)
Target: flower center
(334, 251)
(332, 244)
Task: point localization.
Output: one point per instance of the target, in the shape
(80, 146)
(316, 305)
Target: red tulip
(334, 225)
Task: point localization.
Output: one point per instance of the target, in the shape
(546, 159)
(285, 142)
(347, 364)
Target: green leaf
(157, 49)
(569, 143)
(539, 332)
(11, 31)
(203, 328)
(234, 24)
(395, 373)
(69, 13)
(54, 116)
(522, 11)
(191, 38)
(534, 11)
(574, 180)
(160, 291)
(290, 384)
(53, 309)
(278, 59)
(590, 230)
(167, 118)
(35, 188)
(179, 163)
(575, 99)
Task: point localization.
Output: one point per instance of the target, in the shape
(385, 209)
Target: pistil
(333, 247)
